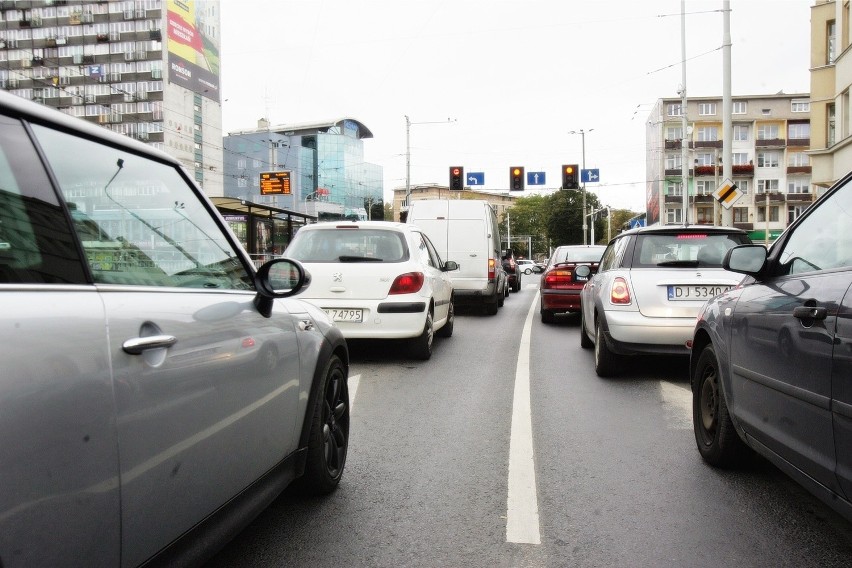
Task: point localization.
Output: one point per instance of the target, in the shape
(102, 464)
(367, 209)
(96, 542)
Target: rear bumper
(557, 301)
(477, 297)
(631, 332)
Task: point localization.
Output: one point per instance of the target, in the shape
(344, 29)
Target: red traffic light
(456, 171)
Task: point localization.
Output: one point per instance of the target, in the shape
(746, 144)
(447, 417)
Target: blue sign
(476, 178)
(590, 176)
(535, 178)
(637, 223)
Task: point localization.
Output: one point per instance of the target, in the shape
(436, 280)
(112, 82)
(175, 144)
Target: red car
(560, 284)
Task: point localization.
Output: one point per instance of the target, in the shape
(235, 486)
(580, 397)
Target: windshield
(578, 254)
(348, 245)
(686, 249)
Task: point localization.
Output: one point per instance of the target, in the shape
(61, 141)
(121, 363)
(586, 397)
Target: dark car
(771, 360)
(561, 283)
(513, 270)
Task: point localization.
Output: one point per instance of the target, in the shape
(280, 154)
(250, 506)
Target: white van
(466, 231)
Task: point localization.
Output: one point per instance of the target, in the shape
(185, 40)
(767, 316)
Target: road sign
(535, 178)
(275, 183)
(590, 176)
(476, 178)
(727, 193)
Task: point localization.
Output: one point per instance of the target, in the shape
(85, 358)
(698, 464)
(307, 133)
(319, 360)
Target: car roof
(387, 225)
(683, 228)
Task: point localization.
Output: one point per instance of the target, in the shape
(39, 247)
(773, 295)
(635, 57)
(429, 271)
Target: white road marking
(353, 389)
(677, 404)
(522, 523)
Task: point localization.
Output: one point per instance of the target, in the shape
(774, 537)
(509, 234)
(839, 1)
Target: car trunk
(650, 289)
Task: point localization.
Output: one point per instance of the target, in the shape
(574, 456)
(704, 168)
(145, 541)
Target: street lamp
(408, 124)
(582, 134)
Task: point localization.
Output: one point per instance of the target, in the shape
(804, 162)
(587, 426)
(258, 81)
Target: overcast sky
(514, 76)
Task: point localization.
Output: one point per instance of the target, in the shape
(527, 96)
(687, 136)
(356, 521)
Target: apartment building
(831, 79)
(148, 69)
(771, 140)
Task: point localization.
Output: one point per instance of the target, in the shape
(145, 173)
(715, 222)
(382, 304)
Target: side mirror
(278, 278)
(746, 259)
(583, 271)
(450, 265)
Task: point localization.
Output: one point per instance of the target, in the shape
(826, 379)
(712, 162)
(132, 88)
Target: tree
(565, 218)
(527, 217)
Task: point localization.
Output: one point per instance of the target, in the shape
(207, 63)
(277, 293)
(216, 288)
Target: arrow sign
(590, 176)
(476, 178)
(535, 178)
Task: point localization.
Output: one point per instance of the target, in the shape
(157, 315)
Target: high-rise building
(771, 139)
(145, 68)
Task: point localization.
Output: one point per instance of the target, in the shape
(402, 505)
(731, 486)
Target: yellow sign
(275, 183)
(727, 193)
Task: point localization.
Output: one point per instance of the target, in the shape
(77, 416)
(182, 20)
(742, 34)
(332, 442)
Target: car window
(823, 239)
(36, 242)
(613, 254)
(687, 249)
(436, 258)
(139, 222)
(578, 254)
(348, 245)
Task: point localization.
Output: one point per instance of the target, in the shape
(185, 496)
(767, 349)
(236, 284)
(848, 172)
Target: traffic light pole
(582, 134)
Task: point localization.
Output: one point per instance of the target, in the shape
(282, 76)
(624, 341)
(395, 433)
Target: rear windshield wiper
(345, 258)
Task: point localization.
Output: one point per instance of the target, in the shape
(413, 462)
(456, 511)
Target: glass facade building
(329, 177)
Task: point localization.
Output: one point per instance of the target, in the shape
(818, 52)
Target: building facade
(831, 81)
(328, 174)
(500, 202)
(145, 68)
(771, 139)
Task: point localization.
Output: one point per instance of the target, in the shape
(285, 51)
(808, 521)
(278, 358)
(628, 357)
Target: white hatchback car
(378, 280)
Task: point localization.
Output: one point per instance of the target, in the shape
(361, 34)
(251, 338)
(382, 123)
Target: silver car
(650, 285)
(157, 391)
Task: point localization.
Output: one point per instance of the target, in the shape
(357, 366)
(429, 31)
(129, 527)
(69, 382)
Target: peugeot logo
(337, 277)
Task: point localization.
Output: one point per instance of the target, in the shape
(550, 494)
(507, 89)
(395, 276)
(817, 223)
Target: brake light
(492, 269)
(408, 283)
(560, 278)
(619, 293)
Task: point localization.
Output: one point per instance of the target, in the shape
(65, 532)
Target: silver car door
(205, 387)
(59, 494)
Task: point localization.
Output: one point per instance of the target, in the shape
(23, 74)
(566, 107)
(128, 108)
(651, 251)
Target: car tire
(447, 329)
(328, 441)
(718, 441)
(606, 362)
(527, 271)
(585, 342)
(517, 286)
(421, 346)
(501, 298)
(547, 317)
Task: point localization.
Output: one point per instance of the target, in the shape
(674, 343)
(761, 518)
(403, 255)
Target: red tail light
(408, 283)
(557, 279)
(492, 269)
(619, 293)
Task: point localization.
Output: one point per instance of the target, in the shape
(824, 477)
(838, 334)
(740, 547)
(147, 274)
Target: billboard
(194, 54)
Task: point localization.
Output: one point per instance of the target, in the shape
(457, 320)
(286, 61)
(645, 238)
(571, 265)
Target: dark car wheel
(717, 439)
(547, 317)
(585, 342)
(421, 346)
(606, 362)
(517, 286)
(329, 437)
(447, 330)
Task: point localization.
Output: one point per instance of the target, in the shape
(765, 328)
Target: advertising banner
(193, 55)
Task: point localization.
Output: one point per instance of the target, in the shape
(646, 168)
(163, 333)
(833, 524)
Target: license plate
(700, 292)
(350, 315)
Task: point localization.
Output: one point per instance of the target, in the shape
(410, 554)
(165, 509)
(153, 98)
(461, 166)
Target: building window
(674, 133)
(830, 127)
(798, 185)
(739, 107)
(704, 215)
(767, 159)
(800, 106)
(674, 161)
(255, 163)
(773, 214)
(743, 185)
(799, 131)
(740, 214)
(741, 132)
(241, 164)
(674, 188)
(708, 134)
(831, 41)
(674, 216)
(704, 187)
(674, 109)
(764, 185)
(704, 159)
(707, 109)
(793, 212)
(767, 132)
(798, 159)
(242, 181)
(739, 158)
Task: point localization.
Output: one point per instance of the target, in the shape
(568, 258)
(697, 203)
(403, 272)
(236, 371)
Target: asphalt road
(443, 472)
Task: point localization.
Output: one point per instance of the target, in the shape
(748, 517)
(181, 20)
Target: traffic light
(516, 178)
(456, 178)
(570, 176)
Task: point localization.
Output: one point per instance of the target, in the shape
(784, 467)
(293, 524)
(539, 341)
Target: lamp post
(582, 134)
(408, 124)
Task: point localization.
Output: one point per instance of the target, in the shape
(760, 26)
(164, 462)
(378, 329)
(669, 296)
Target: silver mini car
(157, 391)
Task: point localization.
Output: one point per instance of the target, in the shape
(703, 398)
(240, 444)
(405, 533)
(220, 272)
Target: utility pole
(727, 107)
(582, 134)
(408, 124)
(684, 143)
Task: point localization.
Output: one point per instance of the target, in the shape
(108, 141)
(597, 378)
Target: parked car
(651, 283)
(513, 270)
(528, 266)
(378, 280)
(157, 391)
(561, 283)
(771, 360)
(466, 231)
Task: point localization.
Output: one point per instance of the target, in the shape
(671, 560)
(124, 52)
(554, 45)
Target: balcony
(744, 226)
(800, 197)
(706, 171)
(701, 198)
(800, 142)
(771, 143)
(674, 199)
(774, 197)
(673, 144)
(707, 144)
(743, 170)
(798, 169)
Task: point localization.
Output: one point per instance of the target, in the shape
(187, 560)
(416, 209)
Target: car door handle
(810, 312)
(138, 345)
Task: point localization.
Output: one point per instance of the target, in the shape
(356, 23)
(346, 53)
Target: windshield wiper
(345, 258)
(687, 263)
